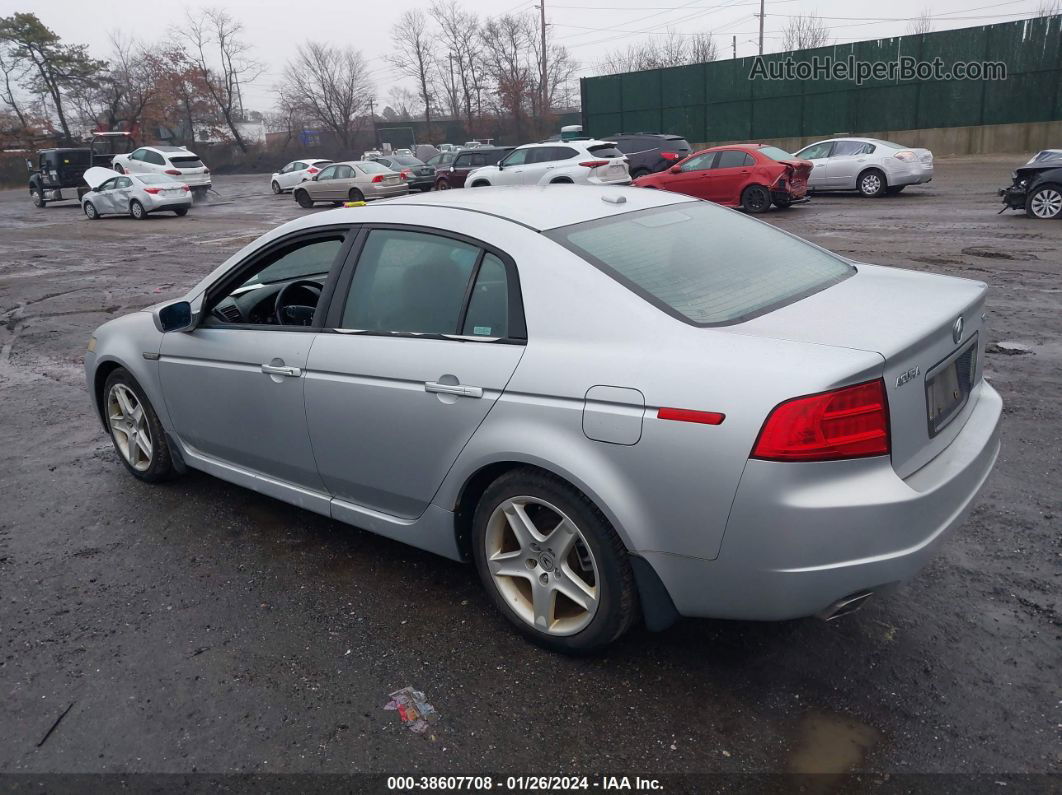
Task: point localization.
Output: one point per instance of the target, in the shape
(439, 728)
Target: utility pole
(372, 120)
(735, 48)
(453, 89)
(762, 15)
(545, 71)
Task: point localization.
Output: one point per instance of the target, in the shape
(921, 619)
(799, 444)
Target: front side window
(702, 263)
(108, 185)
(139, 154)
(517, 158)
(123, 182)
(699, 162)
(815, 151)
(328, 173)
(410, 282)
(289, 168)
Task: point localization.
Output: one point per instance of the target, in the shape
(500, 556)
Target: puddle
(831, 744)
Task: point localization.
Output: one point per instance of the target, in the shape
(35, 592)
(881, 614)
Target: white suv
(586, 162)
(175, 161)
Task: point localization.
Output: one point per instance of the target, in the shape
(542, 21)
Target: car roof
(167, 149)
(545, 207)
(581, 141)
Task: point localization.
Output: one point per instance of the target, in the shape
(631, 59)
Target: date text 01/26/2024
(521, 783)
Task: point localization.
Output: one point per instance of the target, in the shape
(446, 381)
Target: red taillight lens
(152, 191)
(185, 188)
(670, 156)
(378, 178)
(593, 163)
(405, 173)
(312, 170)
(852, 422)
(206, 170)
(172, 172)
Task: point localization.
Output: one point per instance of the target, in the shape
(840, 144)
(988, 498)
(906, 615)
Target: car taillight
(670, 156)
(378, 178)
(593, 163)
(405, 173)
(152, 190)
(185, 188)
(312, 170)
(906, 156)
(852, 422)
(172, 172)
(206, 170)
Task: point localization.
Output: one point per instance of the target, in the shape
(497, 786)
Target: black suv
(648, 153)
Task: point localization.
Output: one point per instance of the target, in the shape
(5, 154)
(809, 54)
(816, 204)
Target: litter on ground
(413, 708)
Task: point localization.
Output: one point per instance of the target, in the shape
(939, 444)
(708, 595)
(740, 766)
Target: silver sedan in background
(136, 195)
(621, 404)
(353, 180)
(868, 165)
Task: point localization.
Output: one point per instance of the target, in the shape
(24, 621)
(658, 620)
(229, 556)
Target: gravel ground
(198, 626)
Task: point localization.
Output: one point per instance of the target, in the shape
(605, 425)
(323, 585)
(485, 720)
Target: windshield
(775, 153)
(1047, 154)
(308, 260)
(704, 264)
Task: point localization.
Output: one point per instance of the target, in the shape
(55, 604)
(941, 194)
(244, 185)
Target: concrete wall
(982, 139)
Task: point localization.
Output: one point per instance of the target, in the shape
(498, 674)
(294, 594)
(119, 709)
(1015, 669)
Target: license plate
(171, 192)
(615, 169)
(948, 386)
(390, 180)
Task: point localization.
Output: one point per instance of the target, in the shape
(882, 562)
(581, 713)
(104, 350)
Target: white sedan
(868, 165)
(137, 195)
(585, 162)
(295, 173)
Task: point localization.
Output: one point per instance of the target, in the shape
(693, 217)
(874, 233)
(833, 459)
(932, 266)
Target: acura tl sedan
(621, 404)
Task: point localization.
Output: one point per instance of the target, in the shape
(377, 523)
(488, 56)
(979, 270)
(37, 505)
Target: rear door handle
(290, 372)
(454, 389)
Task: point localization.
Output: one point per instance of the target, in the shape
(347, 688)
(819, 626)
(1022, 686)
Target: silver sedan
(868, 165)
(136, 195)
(621, 404)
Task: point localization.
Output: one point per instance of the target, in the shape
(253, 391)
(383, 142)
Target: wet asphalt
(197, 626)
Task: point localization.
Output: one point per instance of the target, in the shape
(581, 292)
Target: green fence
(718, 101)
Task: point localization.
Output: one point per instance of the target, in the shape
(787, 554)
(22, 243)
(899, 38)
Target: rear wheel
(183, 211)
(1045, 202)
(442, 184)
(303, 198)
(91, 211)
(872, 183)
(136, 209)
(355, 195)
(135, 429)
(274, 186)
(755, 199)
(552, 564)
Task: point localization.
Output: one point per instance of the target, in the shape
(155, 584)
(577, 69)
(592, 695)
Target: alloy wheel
(870, 184)
(129, 427)
(542, 566)
(1046, 203)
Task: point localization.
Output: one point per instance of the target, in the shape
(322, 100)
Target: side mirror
(451, 169)
(174, 317)
(675, 170)
(314, 177)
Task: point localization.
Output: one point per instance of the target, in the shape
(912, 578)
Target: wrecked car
(1036, 187)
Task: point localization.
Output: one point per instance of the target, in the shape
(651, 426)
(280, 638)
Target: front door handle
(290, 372)
(454, 389)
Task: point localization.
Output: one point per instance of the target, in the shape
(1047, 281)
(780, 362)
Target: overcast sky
(589, 28)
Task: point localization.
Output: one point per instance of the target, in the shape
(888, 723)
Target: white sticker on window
(482, 331)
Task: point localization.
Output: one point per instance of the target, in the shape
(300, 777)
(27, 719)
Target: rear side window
(409, 282)
(488, 306)
(154, 158)
(676, 145)
(604, 150)
(704, 264)
(733, 158)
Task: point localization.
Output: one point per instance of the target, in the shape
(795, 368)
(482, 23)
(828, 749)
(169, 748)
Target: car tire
(303, 198)
(37, 197)
(594, 552)
(1045, 202)
(755, 199)
(180, 213)
(275, 187)
(442, 184)
(872, 183)
(118, 168)
(136, 209)
(91, 211)
(561, 181)
(355, 195)
(894, 189)
(128, 427)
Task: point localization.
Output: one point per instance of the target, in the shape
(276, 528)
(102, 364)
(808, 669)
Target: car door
(692, 176)
(847, 159)
(234, 388)
(121, 194)
(417, 360)
(153, 162)
(289, 175)
(324, 186)
(344, 180)
(819, 155)
(727, 176)
(540, 162)
(135, 161)
(511, 169)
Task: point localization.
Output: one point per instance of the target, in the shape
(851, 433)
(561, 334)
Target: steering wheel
(296, 314)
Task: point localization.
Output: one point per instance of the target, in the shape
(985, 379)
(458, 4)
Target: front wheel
(274, 186)
(1045, 202)
(355, 195)
(136, 209)
(37, 197)
(91, 211)
(872, 184)
(303, 198)
(755, 199)
(442, 184)
(480, 184)
(135, 429)
(552, 564)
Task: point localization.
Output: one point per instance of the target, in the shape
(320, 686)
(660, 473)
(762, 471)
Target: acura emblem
(956, 330)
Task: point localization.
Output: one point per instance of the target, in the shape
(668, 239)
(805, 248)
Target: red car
(750, 176)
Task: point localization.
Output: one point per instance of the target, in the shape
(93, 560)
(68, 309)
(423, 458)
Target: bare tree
(508, 60)
(460, 35)
(657, 53)
(805, 32)
(414, 56)
(401, 101)
(13, 71)
(560, 68)
(330, 85)
(223, 60)
(923, 23)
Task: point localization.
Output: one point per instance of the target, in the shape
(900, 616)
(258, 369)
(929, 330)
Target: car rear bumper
(911, 174)
(802, 537)
(386, 191)
(155, 203)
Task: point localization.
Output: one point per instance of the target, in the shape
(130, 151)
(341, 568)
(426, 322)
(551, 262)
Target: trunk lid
(800, 169)
(909, 319)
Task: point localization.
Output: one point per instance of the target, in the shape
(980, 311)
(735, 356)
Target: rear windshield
(155, 179)
(604, 150)
(703, 264)
(187, 162)
(374, 168)
(775, 153)
(75, 157)
(676, 145)
(1047, 154)
(407, 160)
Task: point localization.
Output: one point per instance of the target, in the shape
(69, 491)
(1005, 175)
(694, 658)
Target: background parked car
(648, 153)
(587, 162)
(354, 180)
(750, 176)
(1044, 155)
(869, 165)
(442, 160)
(295, 172)
(466, 162)
(1036, 188)
(417, 174)
(174, 161)
(111, 193)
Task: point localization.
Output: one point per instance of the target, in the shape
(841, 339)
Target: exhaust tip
(845, 605)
